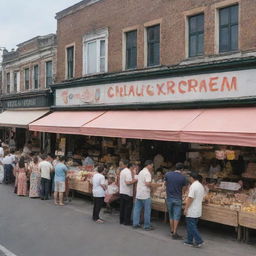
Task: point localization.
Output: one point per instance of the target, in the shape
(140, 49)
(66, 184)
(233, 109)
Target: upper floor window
(26, 78)
(95, 52)
(15, 81)
(153, 45)
(131, 49)
(196, 35)
(36, 76)
(228, 29)
(48, 73)
(8, 82)
(70, 62)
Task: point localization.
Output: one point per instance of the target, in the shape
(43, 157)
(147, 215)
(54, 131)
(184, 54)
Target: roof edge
(74, 8)
(36, 38)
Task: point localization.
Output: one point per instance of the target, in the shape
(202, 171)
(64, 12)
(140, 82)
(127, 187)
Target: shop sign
(203, 87)
(41, 101)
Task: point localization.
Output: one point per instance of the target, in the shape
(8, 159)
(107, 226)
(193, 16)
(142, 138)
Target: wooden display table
(80, 186)
(159, 206)
(246, 220)
(220, 215)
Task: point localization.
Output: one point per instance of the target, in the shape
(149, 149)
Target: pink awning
(20, 118)
(68, 122)
(228, 126)
(152, 125)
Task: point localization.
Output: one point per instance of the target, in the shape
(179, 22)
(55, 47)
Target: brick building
(31, 67)
(27, 73)
(169, 55)
(183, 27)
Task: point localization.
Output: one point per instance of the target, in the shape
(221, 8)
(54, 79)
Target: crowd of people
(36, 176)
(41, 176)
(135, 189)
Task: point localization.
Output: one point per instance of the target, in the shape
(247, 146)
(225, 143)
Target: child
(111, 193)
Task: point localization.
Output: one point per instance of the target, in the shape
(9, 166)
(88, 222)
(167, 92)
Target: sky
(21, 20)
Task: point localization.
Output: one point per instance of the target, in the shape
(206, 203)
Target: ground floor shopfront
(227, 202)
(18, 111)
(196, 115)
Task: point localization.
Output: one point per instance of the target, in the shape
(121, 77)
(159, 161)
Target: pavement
(31, 227)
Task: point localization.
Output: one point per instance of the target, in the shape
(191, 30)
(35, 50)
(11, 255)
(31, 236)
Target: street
(31, 227)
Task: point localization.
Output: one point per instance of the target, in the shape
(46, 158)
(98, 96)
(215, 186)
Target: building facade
(115, 36)
(193, 56)
(27, 73)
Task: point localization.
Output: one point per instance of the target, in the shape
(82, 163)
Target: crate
(82, 186)
(220, 215)
(159, 206)
(247, 219)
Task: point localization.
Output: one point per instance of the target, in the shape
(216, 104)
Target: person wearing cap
(193, 211)
(143, 198)
(175, 184)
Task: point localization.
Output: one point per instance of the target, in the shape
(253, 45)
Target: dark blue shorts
(174, 208)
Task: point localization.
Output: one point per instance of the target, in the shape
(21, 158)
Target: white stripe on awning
(20, 118)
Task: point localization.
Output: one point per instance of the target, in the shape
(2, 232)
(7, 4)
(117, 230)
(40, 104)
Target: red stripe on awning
(227, 126)
(152, 125)
(68, 122)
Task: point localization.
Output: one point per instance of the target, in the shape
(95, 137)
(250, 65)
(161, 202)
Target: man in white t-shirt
(193, 211)
(126, 192)
(45, 169)
(98, 191)
(143, 198)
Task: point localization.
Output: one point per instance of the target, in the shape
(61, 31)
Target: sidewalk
(31, 227)
(216, 236)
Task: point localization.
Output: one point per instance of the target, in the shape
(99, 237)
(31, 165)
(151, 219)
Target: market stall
(79, 180)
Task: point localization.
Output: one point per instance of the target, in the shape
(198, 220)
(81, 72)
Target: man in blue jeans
(193, 211)
(143, 199)
(175, 183)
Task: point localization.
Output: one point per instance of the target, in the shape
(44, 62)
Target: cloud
(21, 20)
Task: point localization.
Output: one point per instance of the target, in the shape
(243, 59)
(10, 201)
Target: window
(8, 83)
(70, 62)
(48, 73)
(131, 49)
(228, 29)
(36, 74)
(196, 35)
(95, 51)
(96, 56)
(26, 78)
(153, 45)
(15, 81)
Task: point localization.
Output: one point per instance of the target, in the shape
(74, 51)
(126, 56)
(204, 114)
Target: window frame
(15, 75)
(8, 82)
(229, 26)
(197, 34)
(34, 77)
(46, 77)
(96, 36)
(147, 45)
(126, 49)
(68, 76)
(25, 80)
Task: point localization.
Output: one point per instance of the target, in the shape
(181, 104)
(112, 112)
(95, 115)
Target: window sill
(130, 69)
(94, 74)
(228, 53)
(153, 66)
(215, 57)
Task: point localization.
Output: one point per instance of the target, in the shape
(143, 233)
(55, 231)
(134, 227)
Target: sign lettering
(216, 86)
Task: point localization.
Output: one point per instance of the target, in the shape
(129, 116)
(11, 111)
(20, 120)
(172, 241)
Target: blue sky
(21, 20)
